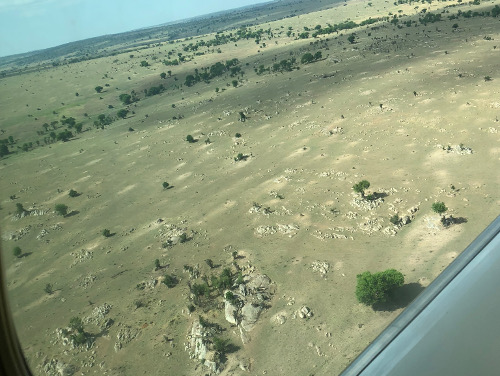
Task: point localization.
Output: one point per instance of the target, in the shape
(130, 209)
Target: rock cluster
(305, 312)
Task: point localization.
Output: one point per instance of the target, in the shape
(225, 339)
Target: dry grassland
(310, 134)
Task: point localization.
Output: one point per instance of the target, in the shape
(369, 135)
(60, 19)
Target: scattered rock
(321, 267)
(305, 312)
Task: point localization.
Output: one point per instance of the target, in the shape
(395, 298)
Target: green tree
(377, 287)
(73, 193)
(17, 252)
(48, 289)
(239, 157)
(163, 75)
(98, 89)
(125, 98)
(106, 233)
(122, 113)
(439, 207)
(4, 150)
(170, 281)
(361, 187)
(165, 185)
(64, 135)
(157, 264)
(76, 324)
(144, 63)
(189, 138)
(19, 208)
(78, 127)
(351, 38)
(307, 58)
(235, 83)
(61, 209)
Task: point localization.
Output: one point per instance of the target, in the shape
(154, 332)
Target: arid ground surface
(413, 110)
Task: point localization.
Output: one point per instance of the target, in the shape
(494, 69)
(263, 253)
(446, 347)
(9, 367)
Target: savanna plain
(212, 225)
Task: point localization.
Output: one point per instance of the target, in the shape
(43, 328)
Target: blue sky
(27, 25)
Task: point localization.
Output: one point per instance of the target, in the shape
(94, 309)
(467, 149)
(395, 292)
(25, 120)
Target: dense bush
(377, 287)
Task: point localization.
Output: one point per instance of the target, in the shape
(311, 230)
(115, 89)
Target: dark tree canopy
(377, 287)
(61, 209)
(98, 89)
(122, 113)
(439, 207)
(361, 187)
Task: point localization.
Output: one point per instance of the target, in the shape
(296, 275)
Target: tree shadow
(380, 195)
(25, 254)
(170, 187)
(400, 297)
(459, 220)
(232, 348)
(72, 213)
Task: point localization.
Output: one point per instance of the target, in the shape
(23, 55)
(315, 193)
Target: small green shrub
(183, 238)
(189, 138)
(165, 185)
(72, 193)
(237, 135)
(48, 289)
(106, 233)
(395, 219)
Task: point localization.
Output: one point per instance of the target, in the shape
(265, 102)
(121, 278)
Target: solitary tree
(78, 336)
(235, 83)
(163, 75)
(351, 38)
(72, 193)
(61, 209)
(144, 63)
(165, 185)
(169, 281)
(189, 138)
(48, 289)
(106, 233)
(439, 207)
(361, 187)
(19, 208)
(98, 89)
(17, 252)
(377, 287)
